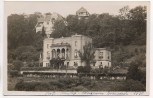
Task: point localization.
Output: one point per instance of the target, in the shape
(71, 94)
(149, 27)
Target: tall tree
(124, 13)
(43, 32)
(60, 29)
(87, 56)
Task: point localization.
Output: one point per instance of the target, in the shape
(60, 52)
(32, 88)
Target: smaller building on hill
(47, 22)
(82, 12)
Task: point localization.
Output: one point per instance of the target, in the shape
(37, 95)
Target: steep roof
(82, 9)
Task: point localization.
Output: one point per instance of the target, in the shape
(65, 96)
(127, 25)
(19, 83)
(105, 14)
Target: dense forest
(124, 34)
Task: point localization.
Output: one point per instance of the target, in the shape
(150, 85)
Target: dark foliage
(83, 84)
(135, 73)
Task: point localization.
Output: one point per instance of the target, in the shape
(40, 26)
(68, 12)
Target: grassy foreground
(73, 84)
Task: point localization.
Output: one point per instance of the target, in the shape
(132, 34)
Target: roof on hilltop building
(82, 9)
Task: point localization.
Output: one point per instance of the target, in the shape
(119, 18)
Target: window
(47, 64)
(53, 53)
(53, 20)
(101, 65)
(67, 64)
(67, 53)
(63, 53)
(75, 64)
(76, 54)
(48, 55)
(101, 55)
(76, 43)
(47, 46)
(58, 53)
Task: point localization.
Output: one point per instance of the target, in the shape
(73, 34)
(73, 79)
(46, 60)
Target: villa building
(67, 49)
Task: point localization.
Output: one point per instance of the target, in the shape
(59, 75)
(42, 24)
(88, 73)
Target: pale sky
(65, 8)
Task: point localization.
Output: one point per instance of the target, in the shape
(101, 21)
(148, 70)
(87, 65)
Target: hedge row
(43, 68)
(80, 74)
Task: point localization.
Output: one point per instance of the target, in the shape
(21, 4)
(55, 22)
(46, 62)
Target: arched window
(53, 53)
(67, 53)
(58, 53)
(76, 53)
(63, 53)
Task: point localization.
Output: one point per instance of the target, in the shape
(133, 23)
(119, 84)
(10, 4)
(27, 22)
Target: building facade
(67, 49)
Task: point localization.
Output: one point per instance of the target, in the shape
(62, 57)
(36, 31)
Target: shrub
(86, 81)
(134, 72)
(26, 86)
(128, 85)
(80, 69)
(131, 85)
(14, 73)
(17, 65)
(53, 88)
(79, 88)
(19, 87)
(65, 80)
(42, 87)
(57, 84)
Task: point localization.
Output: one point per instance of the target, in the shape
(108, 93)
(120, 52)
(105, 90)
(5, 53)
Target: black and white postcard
(76, 48)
